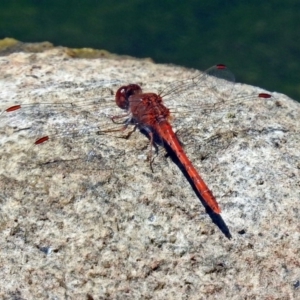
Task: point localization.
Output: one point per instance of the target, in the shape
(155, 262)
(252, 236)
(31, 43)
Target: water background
(258, 40)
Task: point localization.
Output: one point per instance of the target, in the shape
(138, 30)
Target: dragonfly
(151, 113)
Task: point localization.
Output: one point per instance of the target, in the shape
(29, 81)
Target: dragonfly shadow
(216, 218)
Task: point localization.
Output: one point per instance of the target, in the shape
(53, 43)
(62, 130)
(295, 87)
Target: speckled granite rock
(90, 220)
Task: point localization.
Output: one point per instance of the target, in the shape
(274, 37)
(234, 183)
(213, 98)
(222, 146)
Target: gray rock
(84, 217)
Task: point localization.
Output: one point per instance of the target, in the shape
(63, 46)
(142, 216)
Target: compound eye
(123, 94)
(121, 98)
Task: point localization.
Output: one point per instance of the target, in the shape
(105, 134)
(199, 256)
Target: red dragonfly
(147, 112)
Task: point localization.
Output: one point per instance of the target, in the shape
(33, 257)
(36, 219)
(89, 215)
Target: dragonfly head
(124, 92)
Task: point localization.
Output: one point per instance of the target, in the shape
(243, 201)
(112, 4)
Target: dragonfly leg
(130, 132)
(152, 144)
(113, 118)
(150, 153)
(123, 128)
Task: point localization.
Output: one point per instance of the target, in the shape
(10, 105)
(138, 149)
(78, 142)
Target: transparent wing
(207, 107)
(64, 117)
(66, 114)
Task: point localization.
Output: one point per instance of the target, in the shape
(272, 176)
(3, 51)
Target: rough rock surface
(89, 219)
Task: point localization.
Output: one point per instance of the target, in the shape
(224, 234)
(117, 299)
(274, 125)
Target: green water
(258, 40)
